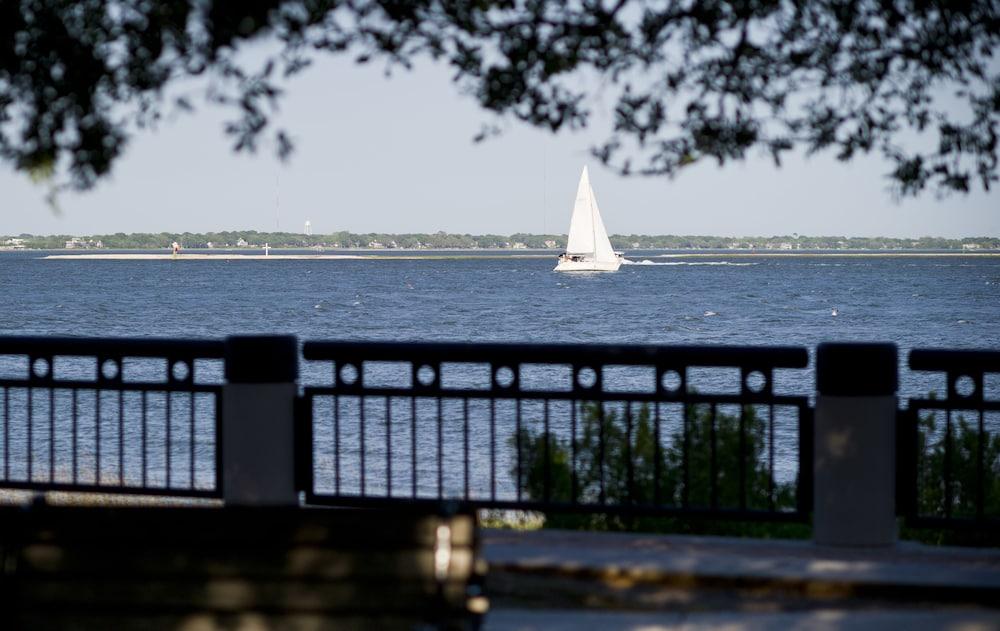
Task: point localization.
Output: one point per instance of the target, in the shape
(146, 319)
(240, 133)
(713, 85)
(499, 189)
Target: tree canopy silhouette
(914, 80)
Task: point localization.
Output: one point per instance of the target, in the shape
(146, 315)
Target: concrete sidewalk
(569, 569)
(822, 620)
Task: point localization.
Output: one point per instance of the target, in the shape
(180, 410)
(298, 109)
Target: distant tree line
(443, 240)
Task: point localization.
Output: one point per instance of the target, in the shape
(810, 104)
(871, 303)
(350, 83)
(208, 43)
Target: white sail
(581, 224)
(602, 244)
(588, 247)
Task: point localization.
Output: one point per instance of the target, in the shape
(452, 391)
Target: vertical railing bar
(143, 442)
(413, 447)
(685, 456)
(947, 464)
(548, 454)
(73, 426)
(629, 465)
(772, 500)
(465, 439)
(310, 447)
(572, 443)
(167, 434)
(656, 454)
(713, 465)
(121, 438)
(336, 444)
(517, 446)
(31, 433)
(6, 433)
(97, 437)
(493, 449)
(217, 429)
(742, 464)
(804, 476)
(191, 434)
(52, 435)
(440, 448)
(600, 450)
(361, 440)
(388, 446)
(980, 467)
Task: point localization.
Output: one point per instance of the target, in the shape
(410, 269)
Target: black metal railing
(655, 430)
(111, 415)
(948, 451)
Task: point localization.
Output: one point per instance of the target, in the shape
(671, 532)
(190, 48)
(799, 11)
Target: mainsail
(587, 236)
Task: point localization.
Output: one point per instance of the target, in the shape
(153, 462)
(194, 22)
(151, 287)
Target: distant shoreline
(458, 255)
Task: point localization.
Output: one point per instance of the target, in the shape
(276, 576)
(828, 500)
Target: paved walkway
(563, 569)
(822, 620)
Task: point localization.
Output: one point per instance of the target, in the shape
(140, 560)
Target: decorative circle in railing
(109, 369)
(671, 381)
(426, 375)
(180, 370)
(965, 386)
(348, 374)
(755, 381)
(503, 376)
(41, 367)
(586, 377)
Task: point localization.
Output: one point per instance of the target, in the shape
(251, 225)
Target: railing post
(854, 445)
(258, 414)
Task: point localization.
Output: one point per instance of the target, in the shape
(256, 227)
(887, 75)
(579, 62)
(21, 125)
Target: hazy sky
(396, 155)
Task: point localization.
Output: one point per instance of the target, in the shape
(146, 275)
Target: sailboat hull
(589, 266)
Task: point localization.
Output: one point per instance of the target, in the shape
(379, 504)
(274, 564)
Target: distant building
(971, 246)
(76, 243)
(549, 243)
(784, 245)
(376, 245)
(635, 245)
(308, 228)
(519, 246)
(242, 243)
(14, 244)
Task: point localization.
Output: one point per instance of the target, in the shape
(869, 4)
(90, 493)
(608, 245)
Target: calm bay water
(936, 301)
(933, 301)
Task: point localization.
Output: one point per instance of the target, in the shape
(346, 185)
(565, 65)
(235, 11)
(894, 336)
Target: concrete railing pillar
(258, 424)
(854, 476)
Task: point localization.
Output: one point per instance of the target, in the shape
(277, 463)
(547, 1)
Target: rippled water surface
(926, 301)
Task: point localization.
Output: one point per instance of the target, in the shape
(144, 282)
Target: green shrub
(630, 460)
(963, 460)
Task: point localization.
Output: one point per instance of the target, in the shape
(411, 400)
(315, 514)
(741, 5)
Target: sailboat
(588, 248)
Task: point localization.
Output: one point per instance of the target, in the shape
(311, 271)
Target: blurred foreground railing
(110, 415)
(609, 429)
(664, 431)
(949, 447)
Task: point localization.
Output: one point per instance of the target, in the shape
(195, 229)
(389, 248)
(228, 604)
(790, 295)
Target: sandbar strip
(288, 257)
(451, 256)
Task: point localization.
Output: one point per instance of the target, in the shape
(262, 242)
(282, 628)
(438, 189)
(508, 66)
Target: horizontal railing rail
(390, 426)
(111, 415)
(949, 445)
(605, 354)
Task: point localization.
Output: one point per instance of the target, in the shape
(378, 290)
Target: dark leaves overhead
(915, 81)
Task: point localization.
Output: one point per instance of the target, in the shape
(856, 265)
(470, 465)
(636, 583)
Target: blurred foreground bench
(237, 569)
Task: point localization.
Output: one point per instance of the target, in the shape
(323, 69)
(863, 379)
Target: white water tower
(309, 228)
